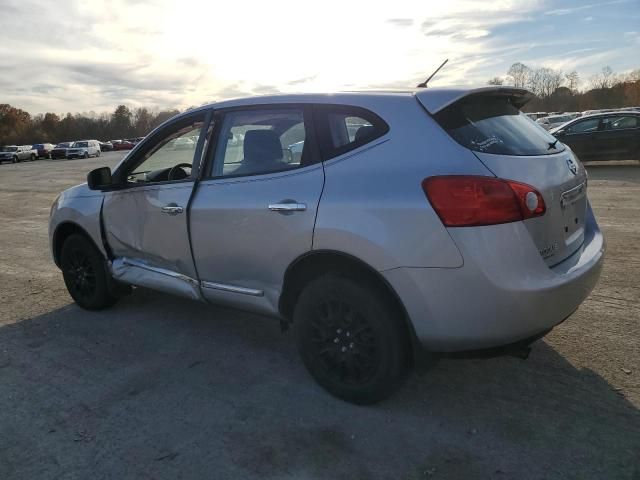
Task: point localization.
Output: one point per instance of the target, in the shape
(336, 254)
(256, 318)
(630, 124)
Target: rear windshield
(493, 125)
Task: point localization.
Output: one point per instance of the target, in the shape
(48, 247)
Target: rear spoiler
(437, 99)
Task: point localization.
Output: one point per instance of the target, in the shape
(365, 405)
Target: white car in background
(84, 149)
(553, 121)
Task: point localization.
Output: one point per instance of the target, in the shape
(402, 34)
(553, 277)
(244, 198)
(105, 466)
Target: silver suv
(84, 149)
(17, 153)
(386, 228)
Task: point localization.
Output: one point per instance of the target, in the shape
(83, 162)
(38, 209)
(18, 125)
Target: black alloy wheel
(85, 273)
(344, 344)
(351, 338)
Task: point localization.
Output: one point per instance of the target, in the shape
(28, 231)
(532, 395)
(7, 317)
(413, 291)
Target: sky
(91, 55)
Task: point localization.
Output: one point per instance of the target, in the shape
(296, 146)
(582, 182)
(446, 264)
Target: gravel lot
(161, 388)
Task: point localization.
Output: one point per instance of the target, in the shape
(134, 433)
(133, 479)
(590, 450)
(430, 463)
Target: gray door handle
(287, 207)
(172, 209)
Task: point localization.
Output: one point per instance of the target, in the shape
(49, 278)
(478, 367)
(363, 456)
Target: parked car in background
(552, 121)
(605, 136)
(60, 150)
(536, 115)
(122, 144)
(106, 146)
(446, 222)
(84, 149)
(43, 150)
(17, 153)
(183, 143)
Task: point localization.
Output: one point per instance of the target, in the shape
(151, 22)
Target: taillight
(465, 201)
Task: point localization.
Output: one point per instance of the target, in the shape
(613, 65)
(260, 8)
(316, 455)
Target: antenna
(424, 84)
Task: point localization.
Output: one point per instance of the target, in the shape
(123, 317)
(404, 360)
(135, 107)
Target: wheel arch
(318, 262)
(63, 231)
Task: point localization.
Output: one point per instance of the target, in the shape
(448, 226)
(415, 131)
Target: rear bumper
(502, 294)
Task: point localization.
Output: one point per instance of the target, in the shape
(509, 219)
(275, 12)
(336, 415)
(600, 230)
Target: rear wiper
(553, 144)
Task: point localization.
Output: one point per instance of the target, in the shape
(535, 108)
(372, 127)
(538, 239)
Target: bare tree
(604, 79)
(519, 74)
(633, 76)
(495, 81)
(551, 80)
(544, 81)
(573, 80)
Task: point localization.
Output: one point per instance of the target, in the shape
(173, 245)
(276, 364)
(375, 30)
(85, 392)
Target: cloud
(568, 11)
(401, 22)
(300, 81)
(165, 54)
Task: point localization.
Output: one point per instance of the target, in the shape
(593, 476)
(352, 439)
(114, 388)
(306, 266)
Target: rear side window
(491, 124)
(342, 128)
(620, 123)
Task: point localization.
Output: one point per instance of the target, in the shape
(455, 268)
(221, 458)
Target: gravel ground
(161, 388)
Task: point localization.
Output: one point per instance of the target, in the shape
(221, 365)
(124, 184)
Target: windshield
(80, 144)
(492, 124)
(9, 149)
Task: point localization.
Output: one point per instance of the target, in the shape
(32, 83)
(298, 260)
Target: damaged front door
(145, 218)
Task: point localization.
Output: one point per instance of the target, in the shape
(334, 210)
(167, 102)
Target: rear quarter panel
(373, 206)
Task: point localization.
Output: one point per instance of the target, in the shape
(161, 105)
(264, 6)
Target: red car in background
(122, 144)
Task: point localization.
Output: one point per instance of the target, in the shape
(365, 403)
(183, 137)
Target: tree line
(20, 128)
(556, 91)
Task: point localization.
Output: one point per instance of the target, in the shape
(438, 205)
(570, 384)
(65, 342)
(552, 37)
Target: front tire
(351, 339)
(86, 155)
(85, 273)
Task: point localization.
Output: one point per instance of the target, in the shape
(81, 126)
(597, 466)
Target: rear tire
(98, 153)
(33, 157)
(351, 339)
(85, 273)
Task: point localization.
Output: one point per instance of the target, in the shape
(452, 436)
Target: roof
(434, 99)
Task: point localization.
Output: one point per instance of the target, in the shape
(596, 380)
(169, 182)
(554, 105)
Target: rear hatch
(488, 121)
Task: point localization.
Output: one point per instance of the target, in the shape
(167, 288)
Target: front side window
(261, 141)
(170, 157)
(584, 126)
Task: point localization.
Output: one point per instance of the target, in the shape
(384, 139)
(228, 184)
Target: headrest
(364, 131)
(262, 146)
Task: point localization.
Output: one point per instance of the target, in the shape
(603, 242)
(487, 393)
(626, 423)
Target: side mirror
(99, 178)
(559, 133)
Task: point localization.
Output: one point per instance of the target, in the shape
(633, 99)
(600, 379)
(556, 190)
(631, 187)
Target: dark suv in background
(44, 149)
